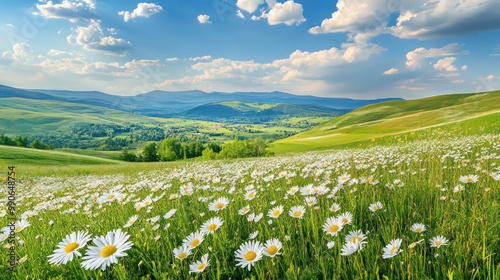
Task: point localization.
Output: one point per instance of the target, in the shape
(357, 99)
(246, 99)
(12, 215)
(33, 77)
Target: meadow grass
(421, 181)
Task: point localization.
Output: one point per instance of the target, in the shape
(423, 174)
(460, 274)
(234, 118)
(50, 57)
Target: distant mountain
(258, 111)
(174, 103)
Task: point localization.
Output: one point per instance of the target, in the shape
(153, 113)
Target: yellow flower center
(345, 220)
(333, 228)
(354, 239)
(147, 202)
(469, 179)
(182, 255)
(195, 243)
(111, 196)
(272, 250)
(293, 191)
(219, 205)
(276, 213)
(108, 250)
(438, 243)
(201, 266)
(250, 256)
(251, 195)
(370, 180)
(297, 213)
(375, 208)
(212, 227)
(18, 229)
(71, 247)
(418, 229)
(394, 249)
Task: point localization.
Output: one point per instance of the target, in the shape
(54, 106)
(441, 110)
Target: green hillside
(25, 156)
(392, 118)
(31, 116)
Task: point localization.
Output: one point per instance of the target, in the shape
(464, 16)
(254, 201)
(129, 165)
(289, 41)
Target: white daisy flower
(107, 250)
(68, 248)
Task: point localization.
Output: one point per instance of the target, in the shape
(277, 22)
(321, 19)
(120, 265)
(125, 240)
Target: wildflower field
(427, 209)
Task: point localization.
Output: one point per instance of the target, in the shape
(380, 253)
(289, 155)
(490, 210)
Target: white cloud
(446, 64)
(204, 19)
(170, 59)
(92, 38)
(205, 57)
(301, 69)
(249, 5)
(286, 13)
(142, 10)
(72, 10)
(20, 51)
(437, 19)
(240, 14)
(416, 57)
(391, 71)
(492, 78)
(464, 68)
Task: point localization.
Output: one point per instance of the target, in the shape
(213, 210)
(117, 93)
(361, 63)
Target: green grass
(391, 118)
(25, 156)
(416, 182)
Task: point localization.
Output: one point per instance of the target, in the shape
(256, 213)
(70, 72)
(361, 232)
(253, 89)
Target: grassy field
(450, 186)
(392, 118)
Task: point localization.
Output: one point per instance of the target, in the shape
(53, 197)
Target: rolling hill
(236, 110)
(174, 103)
(393, 117)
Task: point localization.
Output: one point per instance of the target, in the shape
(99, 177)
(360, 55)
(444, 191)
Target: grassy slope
(389, 118)
(39, 116)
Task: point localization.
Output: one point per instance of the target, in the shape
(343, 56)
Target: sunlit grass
(415, 181)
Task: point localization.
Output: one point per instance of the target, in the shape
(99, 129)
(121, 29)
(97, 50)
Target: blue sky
(355, 48)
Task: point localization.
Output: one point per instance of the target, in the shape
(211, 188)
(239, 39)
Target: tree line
(171, 149)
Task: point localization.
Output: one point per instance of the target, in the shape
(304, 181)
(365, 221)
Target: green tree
(127, 156)
(170, 149)
(149, 153)
(208, 153)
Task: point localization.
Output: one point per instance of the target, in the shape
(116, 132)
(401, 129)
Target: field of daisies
(421, 210)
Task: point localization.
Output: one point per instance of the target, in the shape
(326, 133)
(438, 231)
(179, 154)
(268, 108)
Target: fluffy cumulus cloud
(142, 10)
(446, 64)
(437, 19)
(391, 71)
(417, 57)
(204, 19)
(92, 38)
(249, 5)
(421, 19)
(286, 13)
(299, 69)
(72, 10)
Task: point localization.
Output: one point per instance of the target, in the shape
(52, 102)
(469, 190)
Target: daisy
(343, 178)
(376, 206)
(392, 249)
(333, 226)
(258, 217)
(182, 252)
(253, 235)
(21, 225)
(131, 221)
(194, 239)
(297, 212)
(349, 248)
(335, 207)
(356, 237)
(170, 213)
(275, 212)
(469, 178)
(218, 204)
(249, 253)
(249, 195)
(211, 225)
(107, 250)
(310, 201)
(346, 218)
(418, 227)
(412, 245)
(244, 210)
(438, 241)
(69, 247)
(109, 197)
(330, 244)
(292, 190)
(199, 266)
(272, 247)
